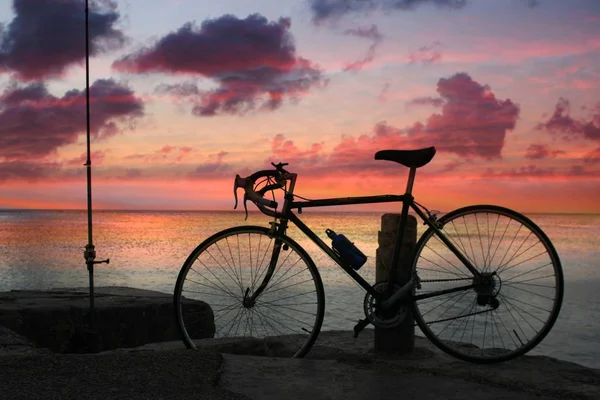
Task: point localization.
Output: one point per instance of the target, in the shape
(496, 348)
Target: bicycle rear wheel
(286, 318)
(511, 313)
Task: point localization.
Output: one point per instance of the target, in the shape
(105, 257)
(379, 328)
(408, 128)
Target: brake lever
(240, 182)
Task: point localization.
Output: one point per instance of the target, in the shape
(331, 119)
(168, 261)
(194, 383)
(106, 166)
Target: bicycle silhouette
(486, 286)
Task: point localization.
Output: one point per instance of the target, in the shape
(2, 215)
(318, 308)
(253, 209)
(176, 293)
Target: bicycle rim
(504, 318)
(286, 318)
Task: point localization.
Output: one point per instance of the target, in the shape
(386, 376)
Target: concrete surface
(338, 367)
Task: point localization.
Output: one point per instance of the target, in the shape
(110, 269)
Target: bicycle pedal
(362, 323)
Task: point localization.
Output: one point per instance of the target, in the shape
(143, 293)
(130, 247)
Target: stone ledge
(125, 317)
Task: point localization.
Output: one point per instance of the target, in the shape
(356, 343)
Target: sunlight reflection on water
(44, 249)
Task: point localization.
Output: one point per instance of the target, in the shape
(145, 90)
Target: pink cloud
(285, 150)
(585, 84)
(167, 153)
(214, 167)
(426, 54)
(592, 157)
(183, 153)
(562, 123)
(383, 95)
(96, 156)
(166, 150)
(535, 172)
(513, 51)
(372, 34)
(472, 124)
(540, 151)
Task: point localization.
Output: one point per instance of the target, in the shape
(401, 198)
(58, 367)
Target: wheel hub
(248, 302)
(487, 288)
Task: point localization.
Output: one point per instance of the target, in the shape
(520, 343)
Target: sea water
(44, 249)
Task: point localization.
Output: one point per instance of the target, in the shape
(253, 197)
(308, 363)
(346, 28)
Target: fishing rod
(90, 252)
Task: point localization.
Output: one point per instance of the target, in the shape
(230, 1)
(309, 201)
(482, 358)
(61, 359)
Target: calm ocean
(44, 249)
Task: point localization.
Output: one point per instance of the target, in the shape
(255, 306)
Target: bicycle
(470, 292)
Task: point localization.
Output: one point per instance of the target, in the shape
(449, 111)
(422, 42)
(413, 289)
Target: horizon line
(323, 209)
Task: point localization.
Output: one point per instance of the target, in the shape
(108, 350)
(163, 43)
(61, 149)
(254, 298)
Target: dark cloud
(183, 89)
(34, 123)
(581, 171)
(372, 34)
(562, 124)
(334, 9)
(47, 36)
(531, 3)
(426, 54)
(252, 60)
(426, 101)
(215, 165)
(540, 151)
(26, 170)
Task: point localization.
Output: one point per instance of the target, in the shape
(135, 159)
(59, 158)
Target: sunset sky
(188, 93)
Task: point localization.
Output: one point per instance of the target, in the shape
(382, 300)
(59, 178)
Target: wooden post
(401, 339)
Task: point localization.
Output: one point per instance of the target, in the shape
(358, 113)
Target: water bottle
(347, 250)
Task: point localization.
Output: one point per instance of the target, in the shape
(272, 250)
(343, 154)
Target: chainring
(378, 320)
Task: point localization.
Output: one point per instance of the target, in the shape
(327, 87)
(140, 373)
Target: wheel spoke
(237, 261)
(443, 258)
(529, 291)
(513, 254)
(462, 247)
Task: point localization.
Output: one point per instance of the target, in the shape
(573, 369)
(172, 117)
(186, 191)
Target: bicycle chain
(446, 280)
(460, 316)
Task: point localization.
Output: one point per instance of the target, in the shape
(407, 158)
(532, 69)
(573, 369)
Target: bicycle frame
(407, 200)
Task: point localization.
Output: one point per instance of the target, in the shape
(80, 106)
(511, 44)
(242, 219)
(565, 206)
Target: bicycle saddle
(408, 158)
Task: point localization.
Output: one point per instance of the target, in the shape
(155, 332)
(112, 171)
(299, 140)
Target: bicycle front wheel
(225, 270)
(512, 309)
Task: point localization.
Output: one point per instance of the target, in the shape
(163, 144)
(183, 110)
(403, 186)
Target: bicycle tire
(282, 329)
(533, 286)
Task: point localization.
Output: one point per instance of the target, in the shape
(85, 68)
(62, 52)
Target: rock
(9, 338)
(11, 343)
(125, 317)
(340, 366)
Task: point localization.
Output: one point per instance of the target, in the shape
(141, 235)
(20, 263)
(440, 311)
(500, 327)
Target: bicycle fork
(249, 302)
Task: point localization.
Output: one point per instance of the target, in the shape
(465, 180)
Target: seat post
(411, 180)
